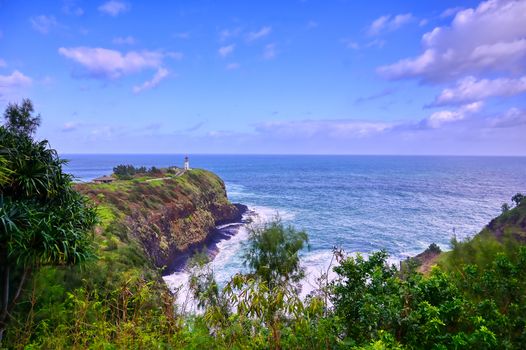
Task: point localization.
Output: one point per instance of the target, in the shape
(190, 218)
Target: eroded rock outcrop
(168, 215)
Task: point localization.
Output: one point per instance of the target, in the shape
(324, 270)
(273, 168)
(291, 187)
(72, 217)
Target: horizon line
(298, 154)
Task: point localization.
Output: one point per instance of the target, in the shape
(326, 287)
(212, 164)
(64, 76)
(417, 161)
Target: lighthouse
(186, 164)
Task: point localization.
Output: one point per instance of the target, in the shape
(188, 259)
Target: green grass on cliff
(501, 236)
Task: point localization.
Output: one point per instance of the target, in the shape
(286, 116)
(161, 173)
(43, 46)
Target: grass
(106, 215)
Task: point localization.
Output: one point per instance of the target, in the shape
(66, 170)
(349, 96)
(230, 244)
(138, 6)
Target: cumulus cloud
(450, 11)
(512, 118)
(270, 51)
(111, 64)
(491, 37)
(438, 119)
(126, 40)
(471, 89)
(388, 23)
(43, 23)
(263, 32)
(114, 7)
(160, 75)
(331, 128)
(10, 84)
(226, 50)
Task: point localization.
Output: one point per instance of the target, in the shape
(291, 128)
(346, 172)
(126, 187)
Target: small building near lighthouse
(186, 163)
(104, 180)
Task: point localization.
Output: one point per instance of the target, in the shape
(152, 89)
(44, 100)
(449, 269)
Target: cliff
(499, 235)
(168, 214)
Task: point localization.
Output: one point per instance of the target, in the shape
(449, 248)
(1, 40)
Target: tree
(505, 208)
(20, 118)
(269, 292)
(517, 199)
(43, 220)
(272, 253)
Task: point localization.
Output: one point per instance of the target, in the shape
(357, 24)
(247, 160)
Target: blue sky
(313, 77)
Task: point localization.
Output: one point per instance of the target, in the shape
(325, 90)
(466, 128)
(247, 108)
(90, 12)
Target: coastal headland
(170, 214)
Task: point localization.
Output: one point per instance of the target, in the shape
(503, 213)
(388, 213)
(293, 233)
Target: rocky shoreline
(224, 230)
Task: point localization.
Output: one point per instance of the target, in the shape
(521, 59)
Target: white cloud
(388, 23)
(513, 117)
(450, 11)
(491, 37)
(342, 128)
(70, 8)
(226, 50)
(232, 66)
(114, 7)
(43, 23)
(126, 40)
(471, 89)
(440, 118)
(2, 63)
(70, 126)
(263, 32)
(111, 64)
(270, 51)
(159, 76)
(226, 34)
(350, 44)
(10, 84)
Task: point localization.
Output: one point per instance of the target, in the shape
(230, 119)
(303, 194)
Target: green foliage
(517, 199)
(43, 220)
(474, 299)
(433, 247)
(19, 118)
(127, 172)
(362, 291)
(272, 253)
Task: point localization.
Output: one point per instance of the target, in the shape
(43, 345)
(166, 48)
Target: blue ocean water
(358, 203)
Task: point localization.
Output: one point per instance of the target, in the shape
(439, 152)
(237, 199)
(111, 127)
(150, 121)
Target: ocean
(357, 203)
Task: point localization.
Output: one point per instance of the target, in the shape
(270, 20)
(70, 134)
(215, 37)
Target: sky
(270, 77)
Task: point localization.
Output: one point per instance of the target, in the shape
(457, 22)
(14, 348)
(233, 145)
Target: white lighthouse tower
(186, 163)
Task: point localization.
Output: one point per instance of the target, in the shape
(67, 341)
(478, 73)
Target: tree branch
(27, 270)
(5, 295)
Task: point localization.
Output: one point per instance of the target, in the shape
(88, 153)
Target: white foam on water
(266, 214)
(227, 261)
(323, 263)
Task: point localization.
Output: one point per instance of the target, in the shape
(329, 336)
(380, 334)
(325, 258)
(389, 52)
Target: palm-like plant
(43, 220)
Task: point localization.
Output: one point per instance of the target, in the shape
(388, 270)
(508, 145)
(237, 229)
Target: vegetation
(43, 221)
(372, 306)
(473, 298)
(127, 172)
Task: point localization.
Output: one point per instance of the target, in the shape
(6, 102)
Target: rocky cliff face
(168, 215)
